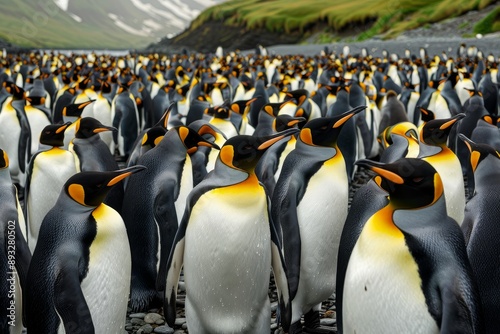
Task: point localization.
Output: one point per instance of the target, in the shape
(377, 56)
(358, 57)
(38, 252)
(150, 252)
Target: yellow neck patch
(226, 155)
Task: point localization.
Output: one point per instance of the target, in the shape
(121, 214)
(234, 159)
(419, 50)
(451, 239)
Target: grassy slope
(390, 16)
(33, 23)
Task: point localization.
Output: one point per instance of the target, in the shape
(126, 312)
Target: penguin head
(242, 106)
(426, 115)
(478, 151)
(153, 136)
(4, 160)
(87, 127)
(91, 188)
(324, 131)
(16, 91)
(192, 139)
(53, 134)
(411, 183)
(283, 122)
(299, 96)
(243, 152)
(75, 109)
(436, 132)
(222, 112)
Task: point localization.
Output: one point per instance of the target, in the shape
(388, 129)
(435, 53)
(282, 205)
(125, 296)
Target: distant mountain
(104, 24)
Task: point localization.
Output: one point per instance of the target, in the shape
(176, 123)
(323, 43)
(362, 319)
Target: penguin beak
(124, 173)
(63, 127)
(296, 120)
(452, 121)
(104, 129)
(381, 170)
(270, 140)
(346, 116)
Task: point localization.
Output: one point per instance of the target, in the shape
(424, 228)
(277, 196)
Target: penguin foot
(295, 328)
(312, 324)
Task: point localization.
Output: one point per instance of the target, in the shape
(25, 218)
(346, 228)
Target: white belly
(227, 263)
(186, 186)
(38, 121)
(382, 289)
(51, 170)
(9, 139)
(449, 168)
(321, 214)
(107, 285)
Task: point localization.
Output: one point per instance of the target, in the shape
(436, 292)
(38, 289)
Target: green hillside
(389, 17)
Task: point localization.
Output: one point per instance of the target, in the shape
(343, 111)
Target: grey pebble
(152, 318)
(147, 329)
(327, 321)
(274, 326)
(137, 315)
(163, 330)
(184, 326)
(137, 321)
(129, 327)
(160, 322)
(274, 306)
(180, 321)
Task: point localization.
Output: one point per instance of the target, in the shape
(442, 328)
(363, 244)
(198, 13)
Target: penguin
(239, 116)
(393, 111)
(79, 275)
(47, 172)
(405, 129)
(126, 120)
(14, 253)
(267, 115)
(474, 110)
(38, 118)
(152, 207)
(434, 150)
(92, 154)
(102, 112)
(270, 165)
(72, 113)
(241, 241)
(348, 141)
(480, 230)
(395, 278)
(15, 138)
(212, 133)
(309, 206)
(222, 121)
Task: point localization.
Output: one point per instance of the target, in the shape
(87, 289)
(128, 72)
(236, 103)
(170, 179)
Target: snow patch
(131, 30)
(154, 12)
(63, 4)
(152, 24)
(75, 17)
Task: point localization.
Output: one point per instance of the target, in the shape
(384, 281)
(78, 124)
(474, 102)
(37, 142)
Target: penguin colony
(238, 166)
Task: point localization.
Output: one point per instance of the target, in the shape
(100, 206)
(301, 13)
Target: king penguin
(481, 231)
(92, 154)
(270, 165)
(153, 203)
(434, 150)
(47, 172)
(227, 244)
(14, 253)
(309, 206)
(15, 138)
(79, 275)
(395, 280)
